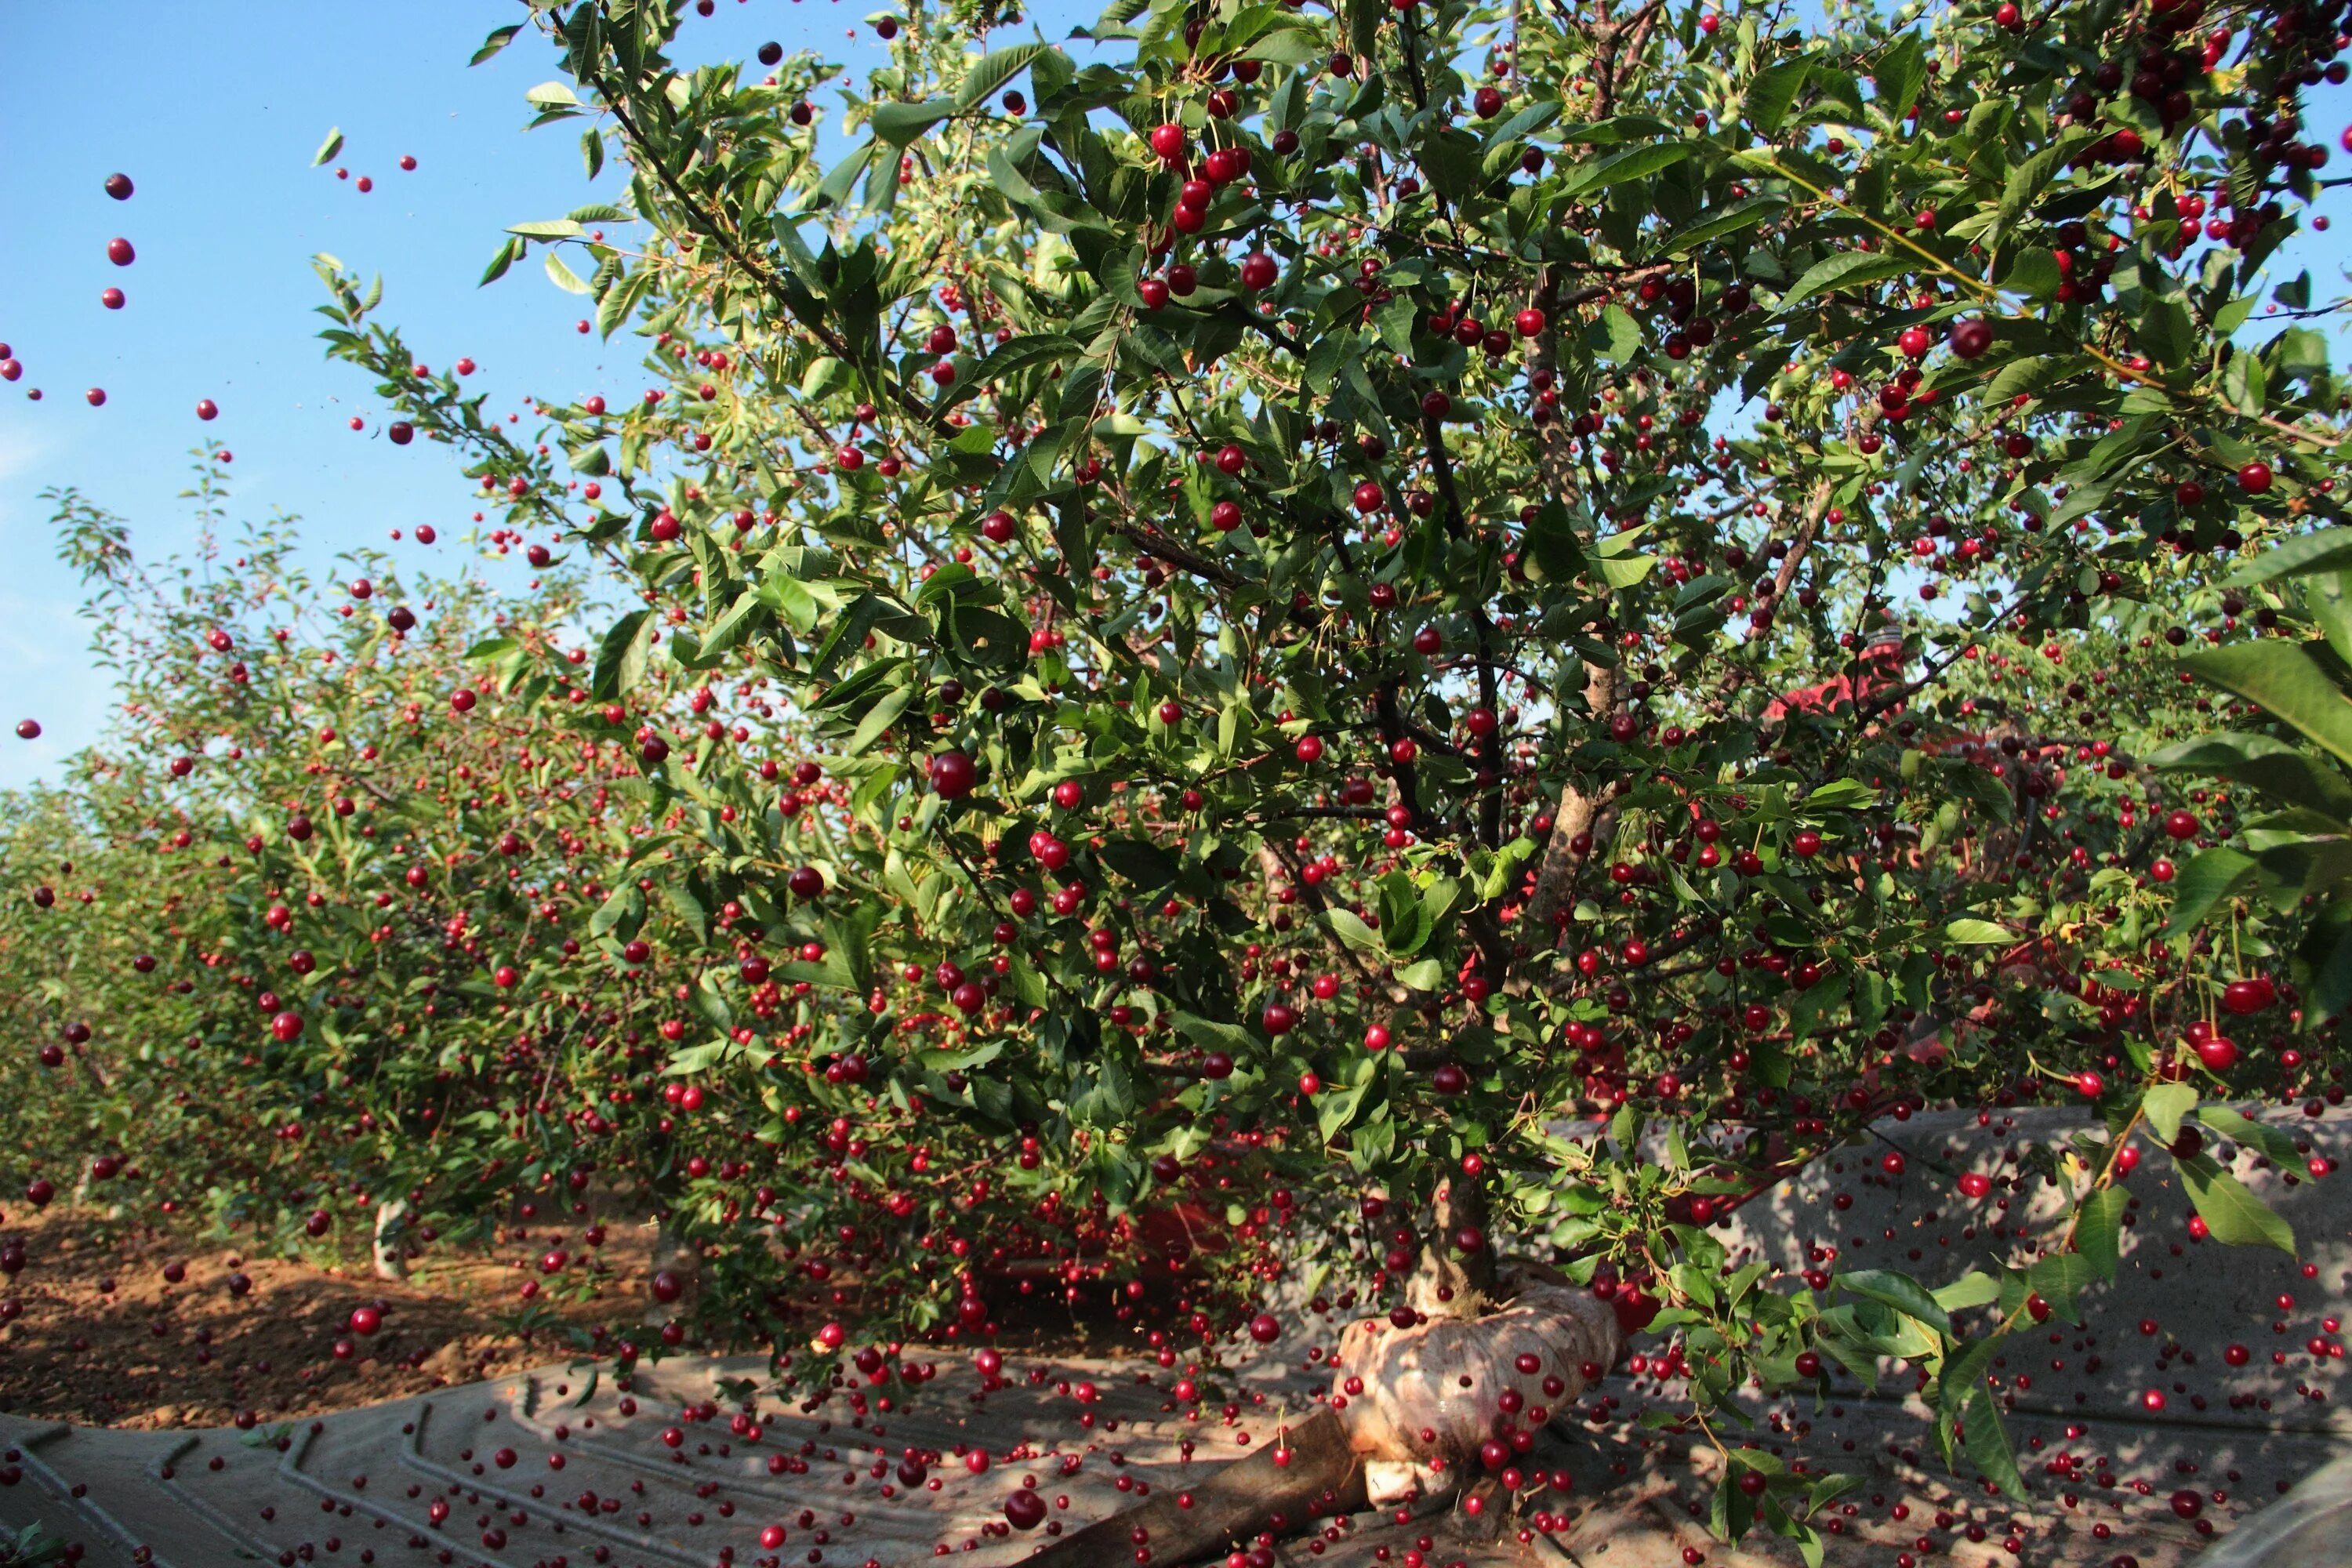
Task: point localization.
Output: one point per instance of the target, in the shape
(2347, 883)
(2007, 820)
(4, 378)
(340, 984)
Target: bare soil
(103, 1339)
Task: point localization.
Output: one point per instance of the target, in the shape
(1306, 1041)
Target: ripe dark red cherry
(953, 775)
(2254, 478)
(402, 433)
(120, 252)
(207, 409)
(1169, 141)
(119, 186)
(1024, 1510)
(2180, 824)
(28, 729)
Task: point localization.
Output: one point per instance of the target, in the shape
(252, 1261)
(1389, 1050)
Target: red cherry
(2254, 478)
(2220, 1053)
(207, 409)
(2245, 997)
(953, 774)
(1169, 142)
(120, 252)
(1530, 322)
(119, 186)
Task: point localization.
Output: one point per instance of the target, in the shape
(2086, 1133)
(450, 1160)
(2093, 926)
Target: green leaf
(2165, 1104)
(1350, 930)
(992, 70)
(2329, 550)
(1426, 975)
(2212, 876)
(901, 124)
(1230, 1039)
(552, 95)
(1974, 1289)
(508, 252)
(1614, 335)
(1901, 71)
(1977, 931)
(1847, 270)
(2098, 1230)
(2235, 1216)
(499, 40)
(1718, 222)
(2276, 1146)
(1900, 1292)
(2285, 678)
(2060, 1281)
(621, 914)
(548, 229)
(1628, 164)
(1140, 861)
(328, 148)
(562, 277)
(1027, 353)
(1988, 1444)
(2032, 271)
(1774, 93)
(2281, 771)
(878, 719)
(620, 658)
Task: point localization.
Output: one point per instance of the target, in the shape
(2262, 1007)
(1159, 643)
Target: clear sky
(214, 108)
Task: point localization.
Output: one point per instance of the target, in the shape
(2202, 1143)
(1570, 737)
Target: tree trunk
(389, 1245)
(1310, 1473)
(1579, 812)
(1451, 1281)
(673, 1253)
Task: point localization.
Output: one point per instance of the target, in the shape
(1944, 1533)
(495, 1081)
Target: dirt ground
(104, 1339)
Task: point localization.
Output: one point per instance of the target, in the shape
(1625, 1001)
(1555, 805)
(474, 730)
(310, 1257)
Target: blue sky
(215, 111)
